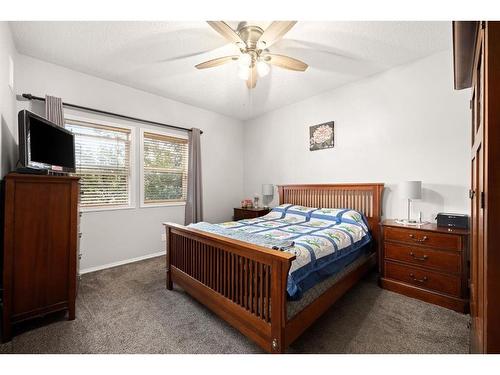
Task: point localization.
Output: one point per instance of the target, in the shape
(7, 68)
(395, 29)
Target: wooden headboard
(364, 197)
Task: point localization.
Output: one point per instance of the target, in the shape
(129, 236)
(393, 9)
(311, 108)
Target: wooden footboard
(244, 284)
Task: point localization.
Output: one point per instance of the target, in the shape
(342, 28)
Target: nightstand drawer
(419, 237)
(422, 256)
(244, 214)
(249, 213)
(423, 278)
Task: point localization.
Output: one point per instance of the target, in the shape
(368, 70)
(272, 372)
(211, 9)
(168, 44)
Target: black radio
(452, 220)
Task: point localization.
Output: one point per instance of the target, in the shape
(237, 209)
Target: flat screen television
(44, 145)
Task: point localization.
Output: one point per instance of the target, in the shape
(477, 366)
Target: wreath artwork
(321, 136)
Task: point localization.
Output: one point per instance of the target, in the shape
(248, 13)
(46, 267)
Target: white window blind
(165, 168)
(102, 156)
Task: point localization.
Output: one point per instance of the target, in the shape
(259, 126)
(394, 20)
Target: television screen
(45, 145)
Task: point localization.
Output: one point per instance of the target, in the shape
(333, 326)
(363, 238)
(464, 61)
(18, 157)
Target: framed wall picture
(321, 136)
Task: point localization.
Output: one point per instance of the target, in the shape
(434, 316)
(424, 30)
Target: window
(164, 169)
(103, 162)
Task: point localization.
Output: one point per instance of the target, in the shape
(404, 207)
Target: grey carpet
(128, 310)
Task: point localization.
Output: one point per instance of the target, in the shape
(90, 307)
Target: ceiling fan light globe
(245, 60)
(263, 69)
(243, 72)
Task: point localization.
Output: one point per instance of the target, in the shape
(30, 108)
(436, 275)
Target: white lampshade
(267, 189)
(411, 189)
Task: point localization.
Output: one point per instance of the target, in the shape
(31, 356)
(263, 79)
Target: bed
(249, 285)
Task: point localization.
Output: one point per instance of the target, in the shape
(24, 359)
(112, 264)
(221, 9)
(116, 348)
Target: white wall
(8, 117)
(114, 236)
(404, 124)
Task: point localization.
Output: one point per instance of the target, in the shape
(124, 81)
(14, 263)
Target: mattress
(324, 241)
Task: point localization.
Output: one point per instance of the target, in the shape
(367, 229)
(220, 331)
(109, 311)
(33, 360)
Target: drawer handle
(423, 239)
(422, 259)
(423, 280)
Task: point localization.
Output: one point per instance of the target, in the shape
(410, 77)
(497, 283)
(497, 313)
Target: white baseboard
(121, 262)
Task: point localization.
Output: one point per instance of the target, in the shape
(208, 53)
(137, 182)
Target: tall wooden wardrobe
(476, 55)
(40, 246)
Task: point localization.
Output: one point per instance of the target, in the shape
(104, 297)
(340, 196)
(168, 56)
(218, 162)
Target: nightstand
(249, 213)
(426, 262)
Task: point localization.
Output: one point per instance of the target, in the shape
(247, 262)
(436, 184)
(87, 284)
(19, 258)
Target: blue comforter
(323, 240)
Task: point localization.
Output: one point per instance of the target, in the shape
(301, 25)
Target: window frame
(132, 163)
(142, 203)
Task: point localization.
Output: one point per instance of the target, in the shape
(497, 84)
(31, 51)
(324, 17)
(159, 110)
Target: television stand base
(28, 170)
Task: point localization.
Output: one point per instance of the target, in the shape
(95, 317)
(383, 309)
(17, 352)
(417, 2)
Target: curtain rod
(33, 97)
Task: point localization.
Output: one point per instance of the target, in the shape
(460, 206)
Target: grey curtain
(194, 202)
(54, 110)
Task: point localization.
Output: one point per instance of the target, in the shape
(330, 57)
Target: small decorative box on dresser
(426, 262)
(249, 213)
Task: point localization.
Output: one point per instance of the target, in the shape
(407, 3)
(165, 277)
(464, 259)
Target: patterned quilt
(324, 240)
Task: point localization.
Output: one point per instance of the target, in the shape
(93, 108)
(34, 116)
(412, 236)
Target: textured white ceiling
(159, 57)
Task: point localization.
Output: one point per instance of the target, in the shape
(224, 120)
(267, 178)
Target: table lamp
(267, 191)
(410, 190)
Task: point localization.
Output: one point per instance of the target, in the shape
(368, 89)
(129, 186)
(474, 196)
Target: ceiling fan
(253, 43)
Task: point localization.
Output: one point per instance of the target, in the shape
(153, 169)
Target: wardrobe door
(30, 261)
(491, 146)
(42, 231)
(477, 202)
(477, 65)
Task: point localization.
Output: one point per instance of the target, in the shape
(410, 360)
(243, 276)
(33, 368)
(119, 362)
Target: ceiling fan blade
(216, 62)
(274, 32)
(229, 34)
(285, 62)
(252, 77)
(288, 44)
(184, 56)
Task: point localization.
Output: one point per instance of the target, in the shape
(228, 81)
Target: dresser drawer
(423, 256)
(419, 237)
(423, 278)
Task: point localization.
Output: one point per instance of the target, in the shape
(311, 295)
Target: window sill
(104, 208)
(167, 204)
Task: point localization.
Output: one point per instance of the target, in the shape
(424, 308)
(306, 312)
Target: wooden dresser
(249, 213)
(426, 262)
(39, 255)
